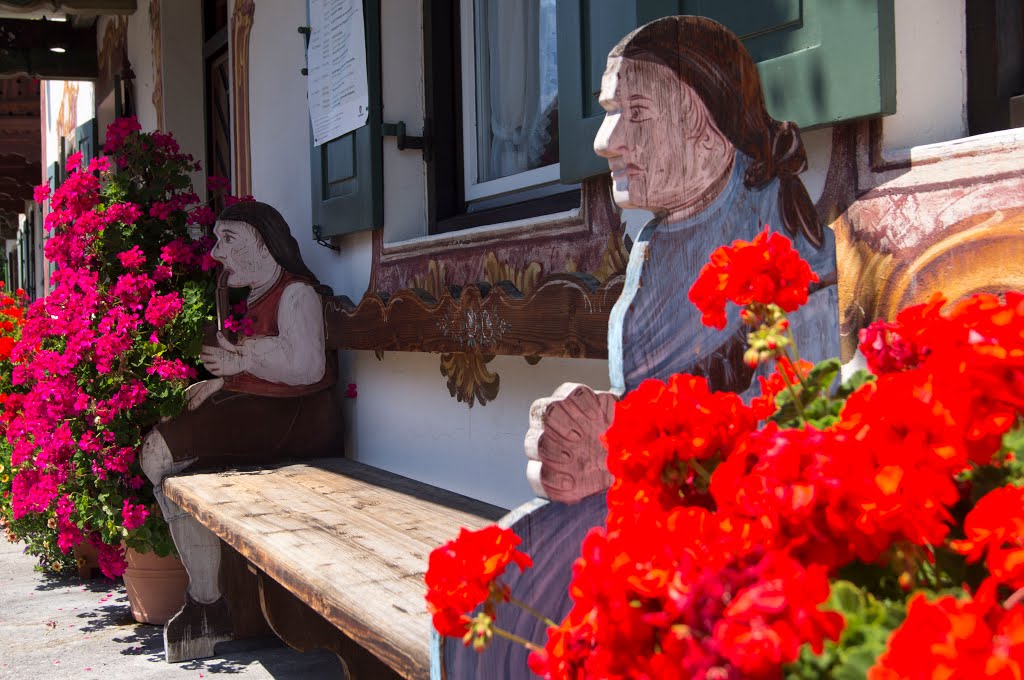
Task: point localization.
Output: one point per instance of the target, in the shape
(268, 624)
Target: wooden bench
(339, 550)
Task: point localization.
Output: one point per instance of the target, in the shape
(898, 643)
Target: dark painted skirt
(233, 429)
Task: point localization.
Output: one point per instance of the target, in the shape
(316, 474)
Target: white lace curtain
(517, 83)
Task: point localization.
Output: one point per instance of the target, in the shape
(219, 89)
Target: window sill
(561, 224)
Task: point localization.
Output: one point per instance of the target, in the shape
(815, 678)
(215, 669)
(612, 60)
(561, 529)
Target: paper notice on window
(338, 92)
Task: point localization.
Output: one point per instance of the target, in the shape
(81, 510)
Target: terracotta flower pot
(156, 586)
(87, 559)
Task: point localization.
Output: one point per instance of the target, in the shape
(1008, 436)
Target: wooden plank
(349, 540)
(566, 316)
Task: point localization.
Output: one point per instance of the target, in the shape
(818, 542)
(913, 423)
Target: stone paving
(63, 628)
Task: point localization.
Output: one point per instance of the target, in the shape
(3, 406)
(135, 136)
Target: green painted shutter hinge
(404, 141)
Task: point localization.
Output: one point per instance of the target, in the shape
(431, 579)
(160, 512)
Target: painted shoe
(194, 631)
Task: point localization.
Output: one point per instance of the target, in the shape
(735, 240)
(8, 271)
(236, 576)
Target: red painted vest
(263, 314)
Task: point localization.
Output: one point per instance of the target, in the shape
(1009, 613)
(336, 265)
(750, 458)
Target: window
(509, 95)
(492, 71)
(995, 65)
(509, 140)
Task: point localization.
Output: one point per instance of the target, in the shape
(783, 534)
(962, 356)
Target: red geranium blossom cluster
(107, 352)
(664, 441)
(12, 318)
(974, 637)
(692, 596)
(725, 533)
(766, 271)
(465, 573)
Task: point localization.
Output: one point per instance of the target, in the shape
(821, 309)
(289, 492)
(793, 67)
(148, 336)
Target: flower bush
(870, 529)
(108, 352)
(12, 318)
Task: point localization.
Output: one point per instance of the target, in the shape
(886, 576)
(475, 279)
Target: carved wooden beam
(158, 69)
(78, 7)
(14, 163)
(241, 27)
(24, 143)
(13, 205)
(8, 225)
(565, 316)
(27, 48)
(18, 124)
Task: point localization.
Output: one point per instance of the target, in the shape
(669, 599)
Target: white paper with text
(337, 87)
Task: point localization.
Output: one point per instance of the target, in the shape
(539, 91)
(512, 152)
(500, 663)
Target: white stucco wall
(403, 419)
(931, 74)
(181, 31)
(53, 91)
(140, 54)
(53, 97)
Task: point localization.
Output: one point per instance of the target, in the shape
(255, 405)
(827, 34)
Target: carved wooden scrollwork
(475, 328)
(469, 380)
(564, 316)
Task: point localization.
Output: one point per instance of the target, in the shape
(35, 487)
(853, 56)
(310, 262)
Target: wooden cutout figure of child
(271, 400)
(687, 136)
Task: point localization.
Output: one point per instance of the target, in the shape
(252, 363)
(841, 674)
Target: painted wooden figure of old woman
(270, 400)
(687, 137)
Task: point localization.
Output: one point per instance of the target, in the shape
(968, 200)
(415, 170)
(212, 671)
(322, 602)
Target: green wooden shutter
(85, 139)
(31, 258)
(821, 61)
(52, 179)
(348, 173)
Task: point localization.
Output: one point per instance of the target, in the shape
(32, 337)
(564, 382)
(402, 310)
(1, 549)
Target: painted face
(662, 147)
(241, 250)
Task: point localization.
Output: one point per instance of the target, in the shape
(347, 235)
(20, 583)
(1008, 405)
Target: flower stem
(796, 354)
(796, 397)
(515, 638)
(1014, 599)
(533, 612)
(700, 470)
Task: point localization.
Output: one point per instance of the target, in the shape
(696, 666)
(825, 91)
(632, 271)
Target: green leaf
(846, 599)
(856, 664)
(869, 622)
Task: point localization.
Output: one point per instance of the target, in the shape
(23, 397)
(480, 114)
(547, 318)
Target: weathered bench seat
(346, 540)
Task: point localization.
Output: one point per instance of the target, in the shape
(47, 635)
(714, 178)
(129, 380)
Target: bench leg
(302, 629)
(239, 584)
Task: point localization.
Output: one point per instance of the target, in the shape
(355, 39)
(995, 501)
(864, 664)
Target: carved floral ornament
(477, 328)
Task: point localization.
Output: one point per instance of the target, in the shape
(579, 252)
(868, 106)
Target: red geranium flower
(774, 384)
(950, 638)
(996, 526)
(766, 270)
(664, 440)
(464, 573)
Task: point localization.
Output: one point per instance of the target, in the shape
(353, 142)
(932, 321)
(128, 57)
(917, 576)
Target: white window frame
(475, 190)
